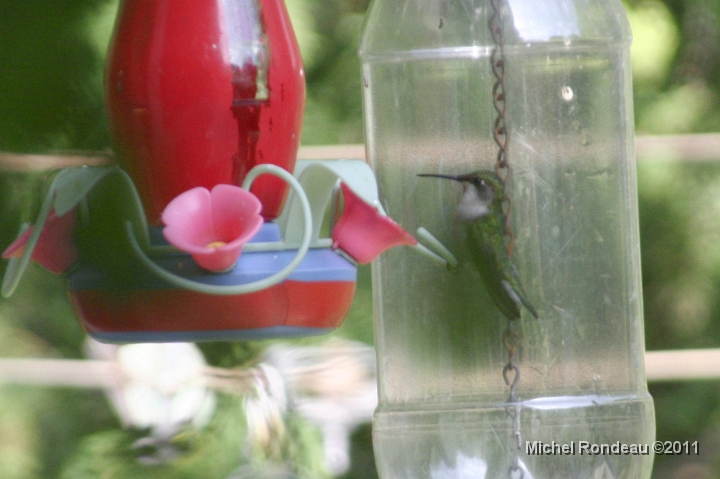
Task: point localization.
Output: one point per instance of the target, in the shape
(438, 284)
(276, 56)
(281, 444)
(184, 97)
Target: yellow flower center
(216, 244)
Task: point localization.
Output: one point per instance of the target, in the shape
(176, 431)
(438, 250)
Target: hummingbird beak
(448, 177)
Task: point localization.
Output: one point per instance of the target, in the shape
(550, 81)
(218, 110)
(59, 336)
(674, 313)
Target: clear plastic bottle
(443, 410)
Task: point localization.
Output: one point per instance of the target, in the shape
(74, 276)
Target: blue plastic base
(322, 264)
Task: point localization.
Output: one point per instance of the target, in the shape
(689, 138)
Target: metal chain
(510, 338)
(511, 375)
(511, 341)
(497, 63)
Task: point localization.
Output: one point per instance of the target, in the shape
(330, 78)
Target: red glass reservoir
(200, 91)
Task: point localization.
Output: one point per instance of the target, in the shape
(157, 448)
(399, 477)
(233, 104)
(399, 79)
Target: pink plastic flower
(212, 225)
(55, 250)
(363, 232)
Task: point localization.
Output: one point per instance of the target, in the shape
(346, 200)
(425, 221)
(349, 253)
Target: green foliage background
(51, 57)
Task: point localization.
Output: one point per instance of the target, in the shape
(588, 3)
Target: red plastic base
(318, 305)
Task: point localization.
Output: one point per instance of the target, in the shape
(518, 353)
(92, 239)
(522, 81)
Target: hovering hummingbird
(480, 208)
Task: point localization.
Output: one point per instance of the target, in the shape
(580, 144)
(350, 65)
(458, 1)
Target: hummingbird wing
(498, 273)
(491, 271)
(517, 293)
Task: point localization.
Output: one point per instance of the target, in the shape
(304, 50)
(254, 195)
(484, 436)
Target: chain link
(511, 375)
(500, 131)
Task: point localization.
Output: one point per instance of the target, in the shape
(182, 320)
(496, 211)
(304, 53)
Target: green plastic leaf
(71, 185)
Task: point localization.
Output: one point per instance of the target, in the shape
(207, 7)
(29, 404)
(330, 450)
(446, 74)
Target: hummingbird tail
(529, 306)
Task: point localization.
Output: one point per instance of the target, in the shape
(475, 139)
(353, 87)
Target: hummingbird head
(480, 190)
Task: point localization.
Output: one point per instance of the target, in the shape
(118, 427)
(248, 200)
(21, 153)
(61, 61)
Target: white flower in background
(165, 387)
(333, 386)
(464, 467)
(265, 407)
(473, 467)
(159, 386)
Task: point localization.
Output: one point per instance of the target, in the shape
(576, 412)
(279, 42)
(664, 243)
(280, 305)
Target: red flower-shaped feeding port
(212, 225)
(55, 250)
(363, 232)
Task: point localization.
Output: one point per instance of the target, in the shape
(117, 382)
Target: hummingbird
(480, 209)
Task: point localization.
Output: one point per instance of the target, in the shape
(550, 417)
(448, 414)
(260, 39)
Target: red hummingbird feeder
(192, 239)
